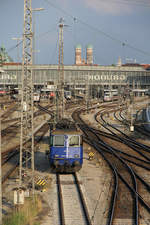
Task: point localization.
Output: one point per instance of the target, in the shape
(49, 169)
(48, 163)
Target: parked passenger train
(146, 118)
(36, 97)
(110, 95)
(66, 148)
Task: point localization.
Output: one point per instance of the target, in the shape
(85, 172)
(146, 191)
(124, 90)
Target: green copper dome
(89, 46)
(78, 46)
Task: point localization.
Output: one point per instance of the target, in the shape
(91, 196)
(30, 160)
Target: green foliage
(37, 223)
(17, 218)
(26, 214)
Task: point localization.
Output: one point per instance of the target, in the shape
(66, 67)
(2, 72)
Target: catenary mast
(61, 68)
(27, 150)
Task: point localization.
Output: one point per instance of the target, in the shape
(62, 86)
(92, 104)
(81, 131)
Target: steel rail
(115, 189)
(101, 143)
(60, 201)
(131, 172)
(84, 205)
(127, 141)
(140, 129)
(116, 138)
(135, 143)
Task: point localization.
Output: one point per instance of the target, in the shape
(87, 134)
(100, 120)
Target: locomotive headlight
(76, 156)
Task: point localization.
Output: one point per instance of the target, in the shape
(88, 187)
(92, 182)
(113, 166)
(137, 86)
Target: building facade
(80, 76)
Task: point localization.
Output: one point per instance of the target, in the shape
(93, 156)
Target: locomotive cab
(66, 150)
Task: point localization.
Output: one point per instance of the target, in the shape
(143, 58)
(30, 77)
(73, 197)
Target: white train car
(110, 95)
(36, 97)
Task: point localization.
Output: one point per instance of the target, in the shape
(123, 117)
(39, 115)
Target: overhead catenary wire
(91, 27)
(145, 2)
(37, 37)
(126, 2)
(15, 46)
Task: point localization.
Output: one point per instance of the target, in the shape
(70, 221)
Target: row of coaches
(114, 94)
(110, 95)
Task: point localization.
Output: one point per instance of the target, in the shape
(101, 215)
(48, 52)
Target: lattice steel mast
(61, 68)
(27, 150)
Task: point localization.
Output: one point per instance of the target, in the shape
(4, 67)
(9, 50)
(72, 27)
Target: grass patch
(26, 214)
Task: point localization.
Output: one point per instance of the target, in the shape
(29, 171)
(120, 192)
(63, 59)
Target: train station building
(81, 74)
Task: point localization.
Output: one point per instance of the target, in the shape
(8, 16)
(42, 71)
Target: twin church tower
(78, 55)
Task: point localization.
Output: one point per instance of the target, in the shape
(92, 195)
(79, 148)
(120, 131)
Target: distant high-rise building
(89, 54)
(78, 57)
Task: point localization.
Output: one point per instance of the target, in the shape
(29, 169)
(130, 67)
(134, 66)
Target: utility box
(132, 128)
(27, 193)
(19, 196)
(25, 108)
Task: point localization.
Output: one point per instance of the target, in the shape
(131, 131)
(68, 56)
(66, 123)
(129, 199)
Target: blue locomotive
(66, 148)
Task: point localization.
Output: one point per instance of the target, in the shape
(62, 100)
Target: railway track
(10, 157)
(125, 178)
(72, 204)
(10, 160)
(138, 128)
(142, 149)
(126, 198)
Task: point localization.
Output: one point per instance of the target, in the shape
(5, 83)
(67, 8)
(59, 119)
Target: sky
(115, 28)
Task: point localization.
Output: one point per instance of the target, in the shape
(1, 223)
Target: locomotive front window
(59, 140)
(74, 141)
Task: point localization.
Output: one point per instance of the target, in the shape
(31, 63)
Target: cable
(37, 37)
(15, 46)
(126, 2)
(138, 1)
(75, 19)
(122, 43)
(45, 33)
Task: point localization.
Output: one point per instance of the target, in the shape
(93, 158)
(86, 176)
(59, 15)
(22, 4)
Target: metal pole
(61, 67)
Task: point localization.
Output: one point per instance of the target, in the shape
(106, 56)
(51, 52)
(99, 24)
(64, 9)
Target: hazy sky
(113, 27)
